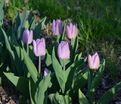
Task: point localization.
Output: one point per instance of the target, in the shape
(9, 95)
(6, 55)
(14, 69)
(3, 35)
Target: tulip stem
(27, 50)
(39, 65)
(63, 65)
(90, 78)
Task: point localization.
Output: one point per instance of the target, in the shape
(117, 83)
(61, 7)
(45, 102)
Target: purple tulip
(27, 36)
(57, 27)
(39, 47)
(71, 31)
(63, 50)
(46, 72)
(94, 61)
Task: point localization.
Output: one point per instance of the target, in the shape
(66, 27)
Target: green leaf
(59, 99)
(48, 59)
(74, 48)
(71, 73)
(19, 82)
(80, 79)
(43, 22)
(97, 78)
(18, 63)
(58, 71)
(32, 90)
(8, 44)
(94, 82)
(82, 98)
(1, 12)
(107, 96)
(42, 87)
(22, 18)
(31, 67)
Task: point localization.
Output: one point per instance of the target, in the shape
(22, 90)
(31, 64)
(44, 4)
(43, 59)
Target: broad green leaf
(31, 67)
(8, 44)
(41, 89)
(48, 59)
(59, 99)
(97, 77)
(94, 82)
(80, 79)
(82, 98)
(32, 90)
(71, 73)
(1, 12)
(22, 18)
(19, 82)
(58, 71)
(107, 96)
(26, 24)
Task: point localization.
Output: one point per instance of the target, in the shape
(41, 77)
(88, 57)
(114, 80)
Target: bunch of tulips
(62, 75)
(39, 45)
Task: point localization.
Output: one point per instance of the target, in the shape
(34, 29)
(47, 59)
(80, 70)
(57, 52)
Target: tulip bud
(71, 31)
(46, 72)
(94, 61)
(57, 27)
(63, 50)
(27, 36)
(39, 47)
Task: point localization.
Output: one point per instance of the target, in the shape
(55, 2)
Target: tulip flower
(94, 61)
(57, 27)
(63, 50)
(71, 31)
(39, 47)
(46, 72)
(27, 36)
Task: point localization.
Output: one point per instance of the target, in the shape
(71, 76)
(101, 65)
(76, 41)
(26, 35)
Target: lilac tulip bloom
(27, 36)
(39, 47)
(94, 61)
(46, 72)
(71, 31)
(57, 27)
(63, 50)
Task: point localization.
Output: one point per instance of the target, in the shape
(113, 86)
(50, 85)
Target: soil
(5, 99)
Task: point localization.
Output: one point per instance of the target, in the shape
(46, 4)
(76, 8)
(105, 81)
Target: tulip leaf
(43, 23)
(59, 99)
(69, 74)
(72, 70)
(108, 95)
(82, 98)
(33, 24)
(18, 62)
(31, 67)
(42, 87)
(74, 46)
(80, 79)
(95, 82)
(48, 59)
(18, 82)
(22, 18)
(97, 77)
(58, 71)
(1, 12)
(32, 90)
(7, 43)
